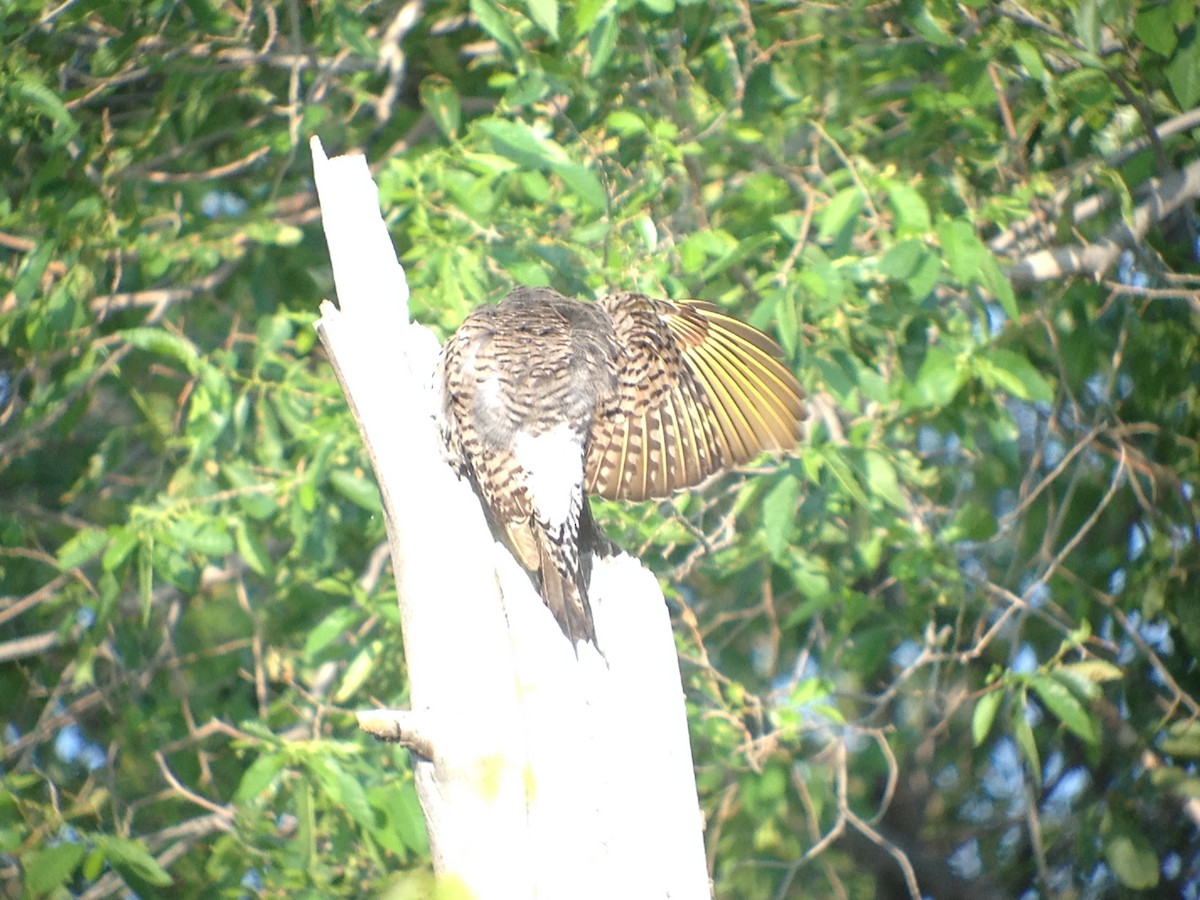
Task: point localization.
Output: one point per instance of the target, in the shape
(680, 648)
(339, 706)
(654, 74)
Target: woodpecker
(546, 399)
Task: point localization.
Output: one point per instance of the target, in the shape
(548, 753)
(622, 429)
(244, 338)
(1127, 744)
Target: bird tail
(565, 592)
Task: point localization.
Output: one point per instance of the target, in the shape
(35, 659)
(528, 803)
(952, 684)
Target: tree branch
(1163, 198)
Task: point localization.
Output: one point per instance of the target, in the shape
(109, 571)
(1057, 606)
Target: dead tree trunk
(540, 774)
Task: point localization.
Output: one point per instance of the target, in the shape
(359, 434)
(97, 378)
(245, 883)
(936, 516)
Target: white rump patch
(487, 392)
(553, 464)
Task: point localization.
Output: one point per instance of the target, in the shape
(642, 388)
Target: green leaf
(1030, 58)
(440, 100)
(1026, 742)
(787, 320)
(840, 212)
(131, 857)
(881, 479)
(923, 22)
(1094, 670)
(146, 574)
(583, 183)
(901, 259)
(808, 690)
(518, 142)
(971, 262)
(911, 263)
(625, 122)
(1084, 689)
(997, 282)
(544, 14)
(47, 102)
(1013, 373)
(971, 522)
(121, 542)
(81, 547)
(587, 12)
(1129, 853)
(964, 252)
(357, 672)
(29, 273)
(1065, 706)
(779, 515)
(343, 791)
(602, 41)
(278, 234)
(250, 548)
(1155, 27)
(912, 213)
(407, 817)
(810, 575)
(1087, 25)
(335, 624)
(206, 537)
(495, 22)
(164, 343)
(358, 489)
(984, 715)
(259, 776)
(940, 377)
(1183, 71)
(1182, 740)
(50, 867)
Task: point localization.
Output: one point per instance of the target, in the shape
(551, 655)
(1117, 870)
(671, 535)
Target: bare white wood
(549, 775)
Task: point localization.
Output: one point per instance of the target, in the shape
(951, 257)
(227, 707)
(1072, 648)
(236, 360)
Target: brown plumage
(629, 398)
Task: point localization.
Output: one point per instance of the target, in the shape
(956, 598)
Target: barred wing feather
(697, 392)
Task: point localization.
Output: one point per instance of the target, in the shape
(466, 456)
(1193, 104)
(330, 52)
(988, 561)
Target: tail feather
(568, 600)
(564, 587)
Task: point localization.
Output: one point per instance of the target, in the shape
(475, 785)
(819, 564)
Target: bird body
(544, 398)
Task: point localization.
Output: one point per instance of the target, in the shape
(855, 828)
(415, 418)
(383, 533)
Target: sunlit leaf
(840, 211)
(912, 213)
(939, 378)
(51, 867)
(357, 672)
(779, 510)
(1182, 740)
(882, 480)
(1015, 374)
(260, 775)
(1095, 670)
(495, 22)
(336, 624)
(1129, 853)
(544, 14)
(440, 100)
(45, 101)
(984, 715)
(1183, 71)
(164, 343)
(1023, 734)
(583, 182)
(82, 547)
(132, 857)
(1065, 706)
(342, 790)
(357, 488)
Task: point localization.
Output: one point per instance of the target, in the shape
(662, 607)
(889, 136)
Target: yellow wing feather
(698, 391)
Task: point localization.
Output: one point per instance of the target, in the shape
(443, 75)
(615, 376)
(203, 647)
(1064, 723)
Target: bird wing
(697, 392)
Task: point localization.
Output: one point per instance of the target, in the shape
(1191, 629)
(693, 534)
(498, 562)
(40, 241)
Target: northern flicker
(545, 399)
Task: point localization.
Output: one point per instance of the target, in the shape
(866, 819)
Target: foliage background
(951, 645)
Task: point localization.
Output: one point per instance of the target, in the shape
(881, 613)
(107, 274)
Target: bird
(546, 399)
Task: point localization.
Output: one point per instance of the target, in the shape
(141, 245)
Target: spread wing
(697, 392)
